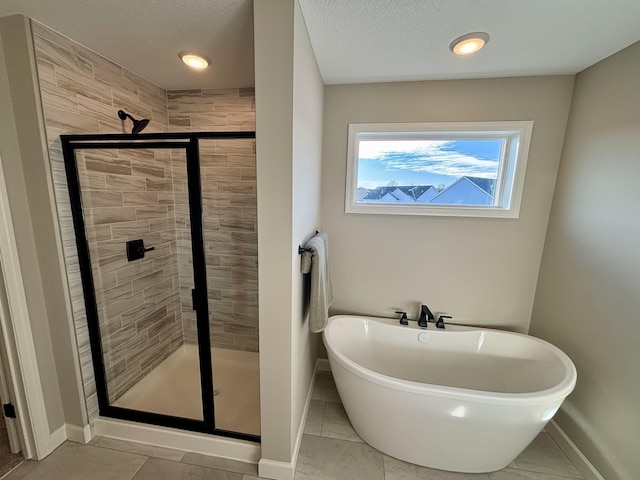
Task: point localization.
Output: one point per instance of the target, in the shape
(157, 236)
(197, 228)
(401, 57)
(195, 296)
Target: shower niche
(165, 227)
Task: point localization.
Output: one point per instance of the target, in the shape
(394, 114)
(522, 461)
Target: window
(450, 169)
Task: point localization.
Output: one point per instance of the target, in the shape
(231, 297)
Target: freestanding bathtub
(462, 399)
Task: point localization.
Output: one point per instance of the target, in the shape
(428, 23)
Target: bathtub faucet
(425, 316)
(403, 318)
(440, 322)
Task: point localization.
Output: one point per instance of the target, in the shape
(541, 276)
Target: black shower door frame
(189, 142)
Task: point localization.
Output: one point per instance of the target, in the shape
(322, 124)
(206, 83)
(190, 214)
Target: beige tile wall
(128, 195)
(81, 93)
(144, 195)
(228, 174)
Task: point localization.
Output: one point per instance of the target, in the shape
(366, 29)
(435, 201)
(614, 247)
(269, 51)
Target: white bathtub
(462, 399)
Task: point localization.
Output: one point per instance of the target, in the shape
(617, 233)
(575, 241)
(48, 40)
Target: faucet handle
(403, 319)
(440, 322)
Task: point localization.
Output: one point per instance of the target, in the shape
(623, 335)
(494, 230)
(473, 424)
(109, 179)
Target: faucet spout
(425, 316)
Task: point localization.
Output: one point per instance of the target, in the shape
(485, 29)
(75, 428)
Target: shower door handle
(193, 298)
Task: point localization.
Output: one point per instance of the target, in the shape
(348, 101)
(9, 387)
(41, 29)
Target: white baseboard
(307, 403)
(570, 449)
(285, 470)
(204, 444)
(56, 439)
(63, 433)
(79, 434)
(275, 470)
(323, 365)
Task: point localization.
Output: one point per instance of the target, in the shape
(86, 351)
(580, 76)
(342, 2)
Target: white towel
(316, 262)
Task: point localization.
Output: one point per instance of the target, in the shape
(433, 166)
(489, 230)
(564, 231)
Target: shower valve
(136, 250)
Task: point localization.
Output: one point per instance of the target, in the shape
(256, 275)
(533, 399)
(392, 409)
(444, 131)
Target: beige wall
(273, 33)
(481, 271)
(289, 122)
(27, 177)
(587, 298)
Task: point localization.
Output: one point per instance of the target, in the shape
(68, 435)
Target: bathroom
(564, 282)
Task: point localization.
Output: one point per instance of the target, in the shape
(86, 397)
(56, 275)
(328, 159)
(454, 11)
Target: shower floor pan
(173, 388)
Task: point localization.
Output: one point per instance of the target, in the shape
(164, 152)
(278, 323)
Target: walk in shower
(166, 231)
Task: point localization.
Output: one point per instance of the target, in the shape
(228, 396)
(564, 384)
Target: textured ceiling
(387, 40)
(355, 41)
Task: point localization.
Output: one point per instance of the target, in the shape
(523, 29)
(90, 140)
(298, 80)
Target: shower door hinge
(9, 410)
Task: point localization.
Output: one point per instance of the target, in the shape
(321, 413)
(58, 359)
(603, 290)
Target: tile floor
(330, 450)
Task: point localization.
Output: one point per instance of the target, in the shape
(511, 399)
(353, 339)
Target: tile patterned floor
(330, 450)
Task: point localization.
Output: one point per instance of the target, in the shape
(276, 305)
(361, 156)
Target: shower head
(138, 125)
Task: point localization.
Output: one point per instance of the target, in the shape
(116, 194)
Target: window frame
(511, 169)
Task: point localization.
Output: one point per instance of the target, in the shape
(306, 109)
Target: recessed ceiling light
(469, 43)
(194, 61)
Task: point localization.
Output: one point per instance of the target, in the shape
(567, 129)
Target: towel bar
(301, 249)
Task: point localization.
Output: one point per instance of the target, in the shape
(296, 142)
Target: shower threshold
(173, 388)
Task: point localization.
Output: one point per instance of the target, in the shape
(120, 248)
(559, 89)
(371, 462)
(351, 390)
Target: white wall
(587, 299)
(288, 133)
(481, 271)
(308, 104)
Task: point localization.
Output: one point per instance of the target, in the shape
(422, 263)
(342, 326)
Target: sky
(425, 162)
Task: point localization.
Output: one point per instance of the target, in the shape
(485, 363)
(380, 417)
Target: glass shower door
(229, 202)
(136, 214)
(160, 285)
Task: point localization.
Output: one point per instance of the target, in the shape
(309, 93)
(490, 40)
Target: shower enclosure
(165, 227)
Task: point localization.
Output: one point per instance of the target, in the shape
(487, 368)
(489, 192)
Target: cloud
(429, 156)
